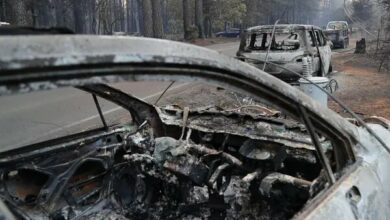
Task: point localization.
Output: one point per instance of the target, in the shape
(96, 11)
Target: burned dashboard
(204, 164)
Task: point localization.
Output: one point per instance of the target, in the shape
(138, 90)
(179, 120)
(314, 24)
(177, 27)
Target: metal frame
(110, 59)
(100, 111)
(320, 152)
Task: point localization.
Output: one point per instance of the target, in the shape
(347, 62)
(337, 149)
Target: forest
(155, 18)
(174, 19)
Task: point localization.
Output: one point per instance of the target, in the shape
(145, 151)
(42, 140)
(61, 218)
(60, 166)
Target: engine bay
(208, 164)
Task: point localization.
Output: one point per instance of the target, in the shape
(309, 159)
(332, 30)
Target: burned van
(289, 45)
(338, 33)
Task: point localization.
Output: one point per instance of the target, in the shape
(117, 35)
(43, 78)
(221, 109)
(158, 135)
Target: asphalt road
(34, 117)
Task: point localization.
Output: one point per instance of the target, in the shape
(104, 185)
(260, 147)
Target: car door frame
(325, 52)
(354, 196)
(322, 52)
(313, 51)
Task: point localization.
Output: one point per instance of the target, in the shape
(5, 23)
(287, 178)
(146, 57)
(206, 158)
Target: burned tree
(158, 31)
(79, 18)
(361, 46)
(147, 18)
(199, 17)
(207, 18)
(186, 19)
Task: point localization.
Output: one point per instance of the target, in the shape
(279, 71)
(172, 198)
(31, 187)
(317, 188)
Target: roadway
(30, 118)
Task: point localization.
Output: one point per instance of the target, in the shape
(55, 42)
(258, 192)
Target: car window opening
(280, 41)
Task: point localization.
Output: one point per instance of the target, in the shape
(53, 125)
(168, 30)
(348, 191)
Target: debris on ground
(361, 86)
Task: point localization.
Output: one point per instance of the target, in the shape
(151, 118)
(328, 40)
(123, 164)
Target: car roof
(283, 26)
(33, 63)
(337, 22)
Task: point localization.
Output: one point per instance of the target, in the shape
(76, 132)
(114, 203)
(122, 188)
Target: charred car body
(181, 163)
(289, 45)
(338, 33)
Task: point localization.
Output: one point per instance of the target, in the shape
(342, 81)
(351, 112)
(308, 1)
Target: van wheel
(330, 68)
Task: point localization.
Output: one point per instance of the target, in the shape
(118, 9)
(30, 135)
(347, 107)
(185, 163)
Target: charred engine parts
(228, 166)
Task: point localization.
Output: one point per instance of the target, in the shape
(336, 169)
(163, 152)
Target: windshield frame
(265, 34)
(143, 60)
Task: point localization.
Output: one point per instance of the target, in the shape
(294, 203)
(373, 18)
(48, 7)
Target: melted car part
(215, 165)
(24, 185)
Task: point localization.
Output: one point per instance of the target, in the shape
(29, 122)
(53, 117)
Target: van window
(280, 41)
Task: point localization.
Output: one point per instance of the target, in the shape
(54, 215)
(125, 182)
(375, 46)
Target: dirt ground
(361, 87)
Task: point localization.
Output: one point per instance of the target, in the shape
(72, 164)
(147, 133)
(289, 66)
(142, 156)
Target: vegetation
(155, 18)
(362, 9)
(386, 18)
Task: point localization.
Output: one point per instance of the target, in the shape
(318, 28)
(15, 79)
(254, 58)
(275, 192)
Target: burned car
(300, 160)
(289, 47)
(338, 33)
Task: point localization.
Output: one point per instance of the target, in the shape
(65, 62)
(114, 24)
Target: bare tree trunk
(207, 18)
(147, 18)
(59, 10)
(122, 10)
(199, 17)
(116, 16)
(128, 14)
(112, 16)
(137, 16)
(186, 19)
(293, 17)
(165, 15)
(87, 14)
(2, 10)
(79, 17)
(157, 19)
(93, 16)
